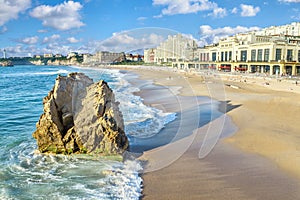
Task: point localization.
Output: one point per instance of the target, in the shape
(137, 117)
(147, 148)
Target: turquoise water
(26, 175)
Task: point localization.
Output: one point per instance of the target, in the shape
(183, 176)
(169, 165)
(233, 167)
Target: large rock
(80, 117)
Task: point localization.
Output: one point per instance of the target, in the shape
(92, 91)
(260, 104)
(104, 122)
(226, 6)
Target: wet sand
(260, 161)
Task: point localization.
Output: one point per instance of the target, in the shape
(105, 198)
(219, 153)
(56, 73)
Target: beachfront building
(175, 48)
(264, 51)
(48, 55)
(288, 29)
(149, 55)
(103, 57)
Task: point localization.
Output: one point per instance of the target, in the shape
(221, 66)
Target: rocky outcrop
(37, 62)
(80, 117)
(71, 61)
(6, 63)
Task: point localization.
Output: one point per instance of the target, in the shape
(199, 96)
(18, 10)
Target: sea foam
(141, 121)
(25, 174)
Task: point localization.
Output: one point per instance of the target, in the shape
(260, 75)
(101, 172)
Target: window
(266, 55)
(278, 54)
(298, 55)
(253, 55)
(226, 56)
(230, 55)
(289, 55)
(259, 55)
(244, 55)
(222, 56)
(214, 56)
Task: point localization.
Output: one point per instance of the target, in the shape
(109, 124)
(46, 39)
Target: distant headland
(74, 58)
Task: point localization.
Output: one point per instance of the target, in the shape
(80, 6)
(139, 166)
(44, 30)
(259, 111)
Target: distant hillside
(43, 61)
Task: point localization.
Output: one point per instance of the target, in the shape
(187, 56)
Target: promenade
(272, 68)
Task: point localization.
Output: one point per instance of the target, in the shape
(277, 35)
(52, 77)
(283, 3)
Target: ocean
(26, 175)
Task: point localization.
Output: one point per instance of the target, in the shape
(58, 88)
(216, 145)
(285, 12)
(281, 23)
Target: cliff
(6, 63)
(80, 117)
(71, 61)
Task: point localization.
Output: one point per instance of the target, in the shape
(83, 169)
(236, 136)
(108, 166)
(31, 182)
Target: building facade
(288, 29)
(175, 48)
(103, 57)
(263, 51)
(48, 55)
(149, 55)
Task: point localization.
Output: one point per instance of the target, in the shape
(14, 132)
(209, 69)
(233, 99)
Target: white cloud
(208, 35)
(42, 31)
(52, 44)
(72, 40)
(3, 29)
(174, 7)
(58, 48)
(131, 40)
(30, 40)
(20, 50)
(234, 11)
(290, 1)
(158, 16)
(141, 18)
(218, 13)
(123, 42)
(64, 16)
(29, 50)
(295, 17)
(9, 9)
(126, 41)
(52, 38)
(13, 50)
(249, 10)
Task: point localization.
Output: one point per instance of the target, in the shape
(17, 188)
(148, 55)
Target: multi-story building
(149, 55)
(48, 55)
(263, 51)
(103, 57)
(175, 48)
(289, 29)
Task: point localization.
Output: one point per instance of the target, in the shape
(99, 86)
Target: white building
(103, 57)
(48, 55)
(149, 55)
(288, 29)
(253, 52)
(175, 48)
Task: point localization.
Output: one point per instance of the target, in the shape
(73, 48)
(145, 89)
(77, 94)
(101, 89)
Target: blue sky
(29, 27)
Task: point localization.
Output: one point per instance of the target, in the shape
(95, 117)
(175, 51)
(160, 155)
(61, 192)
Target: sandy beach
(261, 160)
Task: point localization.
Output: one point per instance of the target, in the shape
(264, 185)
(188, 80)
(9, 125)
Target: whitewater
(27, 175)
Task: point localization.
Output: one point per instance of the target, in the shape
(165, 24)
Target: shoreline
(241, 144)
(237, 93)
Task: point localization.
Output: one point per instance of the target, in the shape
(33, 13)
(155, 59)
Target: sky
(35, 27)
